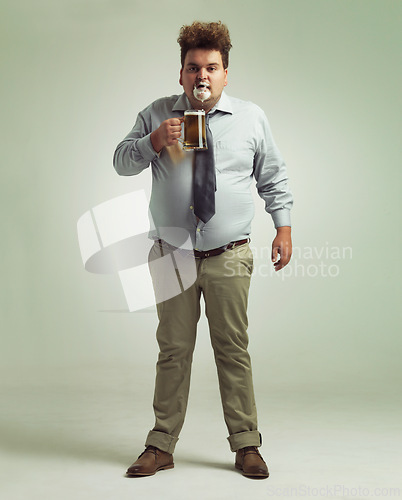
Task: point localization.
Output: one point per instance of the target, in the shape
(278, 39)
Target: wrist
(155, 141)
(283, 230)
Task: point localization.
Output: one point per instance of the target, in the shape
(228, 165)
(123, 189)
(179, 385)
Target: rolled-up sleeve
(271, 175)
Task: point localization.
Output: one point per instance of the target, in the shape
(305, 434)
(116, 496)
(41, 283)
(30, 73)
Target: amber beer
(194, 129)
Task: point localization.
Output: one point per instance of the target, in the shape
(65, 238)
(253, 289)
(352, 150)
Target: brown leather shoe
(150, 461)
(251, 463)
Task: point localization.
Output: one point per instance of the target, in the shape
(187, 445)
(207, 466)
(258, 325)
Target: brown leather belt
(217, 251)
(198, 254)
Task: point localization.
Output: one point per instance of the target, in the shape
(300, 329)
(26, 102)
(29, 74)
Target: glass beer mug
(195, 136)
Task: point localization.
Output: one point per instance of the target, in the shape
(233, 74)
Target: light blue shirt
(244, 150)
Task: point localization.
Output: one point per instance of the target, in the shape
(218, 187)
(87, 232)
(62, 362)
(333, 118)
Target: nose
(202, 74)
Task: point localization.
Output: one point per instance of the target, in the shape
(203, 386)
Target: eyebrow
(209, 64)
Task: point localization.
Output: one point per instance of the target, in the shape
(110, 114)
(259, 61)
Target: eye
(212, 68)
(192, 69)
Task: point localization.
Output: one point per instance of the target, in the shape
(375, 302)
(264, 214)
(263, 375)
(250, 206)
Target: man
(218, 220)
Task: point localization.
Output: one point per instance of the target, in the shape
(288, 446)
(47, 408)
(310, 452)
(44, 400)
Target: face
(203, 67)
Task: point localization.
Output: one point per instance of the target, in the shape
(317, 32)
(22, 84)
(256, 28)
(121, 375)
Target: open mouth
(202, 86)
(201, 91)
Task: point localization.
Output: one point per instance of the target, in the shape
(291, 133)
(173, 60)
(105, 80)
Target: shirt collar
(182, 103)
(223, 104)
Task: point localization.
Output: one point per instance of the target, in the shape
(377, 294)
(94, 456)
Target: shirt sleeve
(271, 175)
(135, 152)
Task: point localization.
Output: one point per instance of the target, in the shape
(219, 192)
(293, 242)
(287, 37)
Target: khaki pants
(224, 281)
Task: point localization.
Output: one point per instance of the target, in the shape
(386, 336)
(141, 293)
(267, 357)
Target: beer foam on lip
(201, 91)
(201, 84)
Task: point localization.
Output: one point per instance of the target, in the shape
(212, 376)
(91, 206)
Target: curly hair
(213, 36)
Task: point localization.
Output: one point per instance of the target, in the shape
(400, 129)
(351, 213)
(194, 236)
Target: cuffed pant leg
(225, 282)
(161, 440)
(176, 335)
(243, 439)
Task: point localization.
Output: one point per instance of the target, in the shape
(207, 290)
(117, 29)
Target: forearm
(142, 145)
(135, 152)
(156, 141)
(271, 175)
(133, 155)
(273, 188)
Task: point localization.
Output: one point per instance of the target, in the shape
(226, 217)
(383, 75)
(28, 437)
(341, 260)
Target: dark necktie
(205, 179)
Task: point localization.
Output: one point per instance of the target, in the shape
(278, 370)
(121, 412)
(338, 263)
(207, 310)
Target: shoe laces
(150, 448)
(251, 449)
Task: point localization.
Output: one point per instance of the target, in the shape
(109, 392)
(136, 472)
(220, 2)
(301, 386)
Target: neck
(206, 105)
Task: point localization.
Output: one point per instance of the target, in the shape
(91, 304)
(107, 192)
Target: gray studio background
(77, 369)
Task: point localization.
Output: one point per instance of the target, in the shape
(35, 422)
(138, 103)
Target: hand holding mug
(167, 134)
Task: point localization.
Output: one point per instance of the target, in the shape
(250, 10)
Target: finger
(279, 265)
(286, 254)
(176, 121)
(274, 254)
(172, 141)
(282, 262)
(174, 135)
(174, 126)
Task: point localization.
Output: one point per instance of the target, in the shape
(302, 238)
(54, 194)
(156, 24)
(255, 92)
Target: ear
(226, 77)
(180, 79)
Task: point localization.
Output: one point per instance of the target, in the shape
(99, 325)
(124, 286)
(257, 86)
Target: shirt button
(191, 207)
(198, 229)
